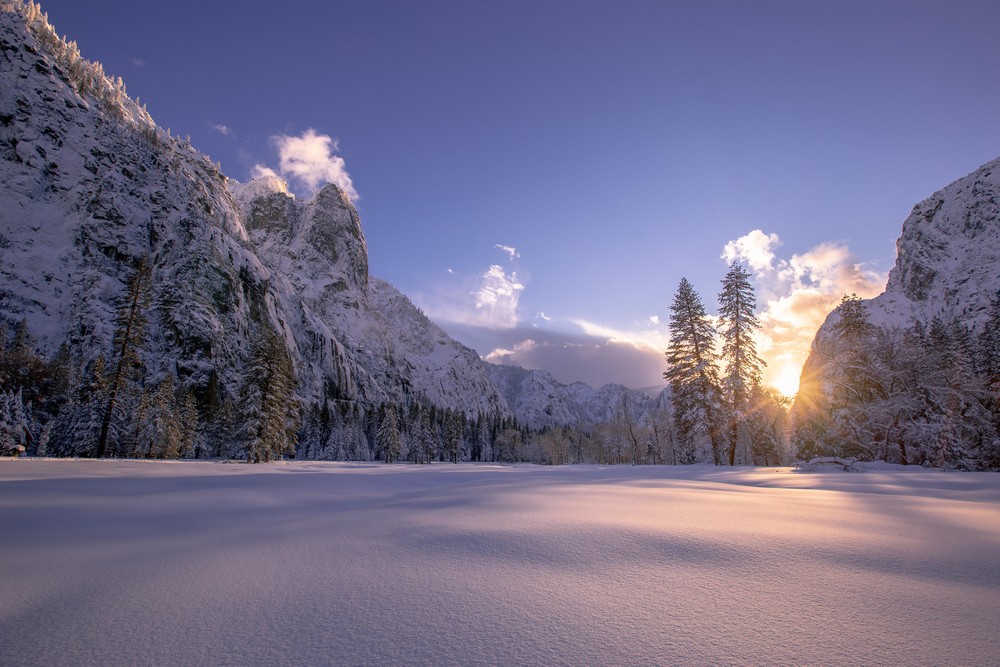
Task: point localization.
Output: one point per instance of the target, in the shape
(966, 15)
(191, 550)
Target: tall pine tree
(130, 335)
(741, 383)
(268, 406)
(693, 374)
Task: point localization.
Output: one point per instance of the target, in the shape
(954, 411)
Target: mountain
(913, 375)
(946, 258)
(539, 400)
(89, 185)
(947, 255)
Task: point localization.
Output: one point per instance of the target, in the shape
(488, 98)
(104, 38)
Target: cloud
(488, 300)
(655, 319)
(138, 62)
(510, 250)
(308, 160)
(796, 295)
(755, 248)
(570, 356)
(260, 171)
(497, 297)
(224, 130)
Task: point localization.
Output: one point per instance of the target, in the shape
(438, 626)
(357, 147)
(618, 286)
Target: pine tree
(130, 335)
(744, 368)
(693, 374)
(78, 427)
(387, 439)
(268, 405)
(452, 435)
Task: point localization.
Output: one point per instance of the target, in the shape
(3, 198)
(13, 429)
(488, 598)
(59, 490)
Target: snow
(130, 562)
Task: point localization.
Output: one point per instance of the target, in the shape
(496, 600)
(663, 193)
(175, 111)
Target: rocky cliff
(89, 185)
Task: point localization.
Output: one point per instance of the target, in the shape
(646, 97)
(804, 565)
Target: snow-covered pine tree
(130, 336)
(268, 407)
(387, 441)
(693, 374)
(744, 369)
(78, 426)
(452, 435)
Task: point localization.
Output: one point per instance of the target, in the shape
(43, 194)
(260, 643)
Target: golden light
(785, 380)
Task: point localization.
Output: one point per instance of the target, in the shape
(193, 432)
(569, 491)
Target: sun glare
(786, 380)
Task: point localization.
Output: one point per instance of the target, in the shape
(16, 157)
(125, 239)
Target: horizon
(467, 171)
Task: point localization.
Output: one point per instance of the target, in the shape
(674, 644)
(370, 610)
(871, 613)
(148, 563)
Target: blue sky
(538, 176)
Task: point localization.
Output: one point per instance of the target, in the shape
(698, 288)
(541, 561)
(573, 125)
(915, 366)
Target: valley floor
(172, 563)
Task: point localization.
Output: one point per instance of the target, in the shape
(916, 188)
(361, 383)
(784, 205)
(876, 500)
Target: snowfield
(178, 563)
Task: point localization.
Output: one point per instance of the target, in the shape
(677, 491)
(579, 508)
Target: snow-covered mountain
(89, 185)
(947, 257)
(539, 400)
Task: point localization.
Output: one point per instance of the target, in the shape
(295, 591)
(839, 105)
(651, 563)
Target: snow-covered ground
(173, 563)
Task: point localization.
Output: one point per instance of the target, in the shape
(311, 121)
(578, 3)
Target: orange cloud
(796, 295)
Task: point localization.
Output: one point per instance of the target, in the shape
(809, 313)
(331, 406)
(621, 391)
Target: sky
(539, 176)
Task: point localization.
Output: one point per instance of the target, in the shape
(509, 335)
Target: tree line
(926, 394)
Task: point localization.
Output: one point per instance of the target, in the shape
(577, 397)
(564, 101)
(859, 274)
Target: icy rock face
(89, 184)
(949, 253)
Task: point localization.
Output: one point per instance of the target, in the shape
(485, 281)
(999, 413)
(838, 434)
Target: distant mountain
(539, 400)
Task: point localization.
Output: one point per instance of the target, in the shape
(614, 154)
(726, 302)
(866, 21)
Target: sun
(785, 380)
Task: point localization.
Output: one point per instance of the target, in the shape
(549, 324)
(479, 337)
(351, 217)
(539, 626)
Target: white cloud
(497, 296)
(543, 316)
(260, 170)
(138, 62)
(796, 295)
(655, 319)
(510, 250)
(224, 130)
(488, 300)
(308, 161)
(501, 355)
(755, 248)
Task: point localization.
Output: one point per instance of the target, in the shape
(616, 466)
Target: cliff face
(89, 185)
(948, 255)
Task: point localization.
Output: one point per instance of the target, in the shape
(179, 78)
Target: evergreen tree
(268, 406)
(387, 441)
(744, 368)
(78, 427)
(693, 374)
(130, 335)
(452, 435)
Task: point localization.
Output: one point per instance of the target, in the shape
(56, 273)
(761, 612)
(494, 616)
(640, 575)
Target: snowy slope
(156, 563)
(89, 184)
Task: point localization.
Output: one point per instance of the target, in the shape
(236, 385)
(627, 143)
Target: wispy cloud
(308, 160)
(796, 294)
(511, 251)
(138, 62)
(224, 130)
